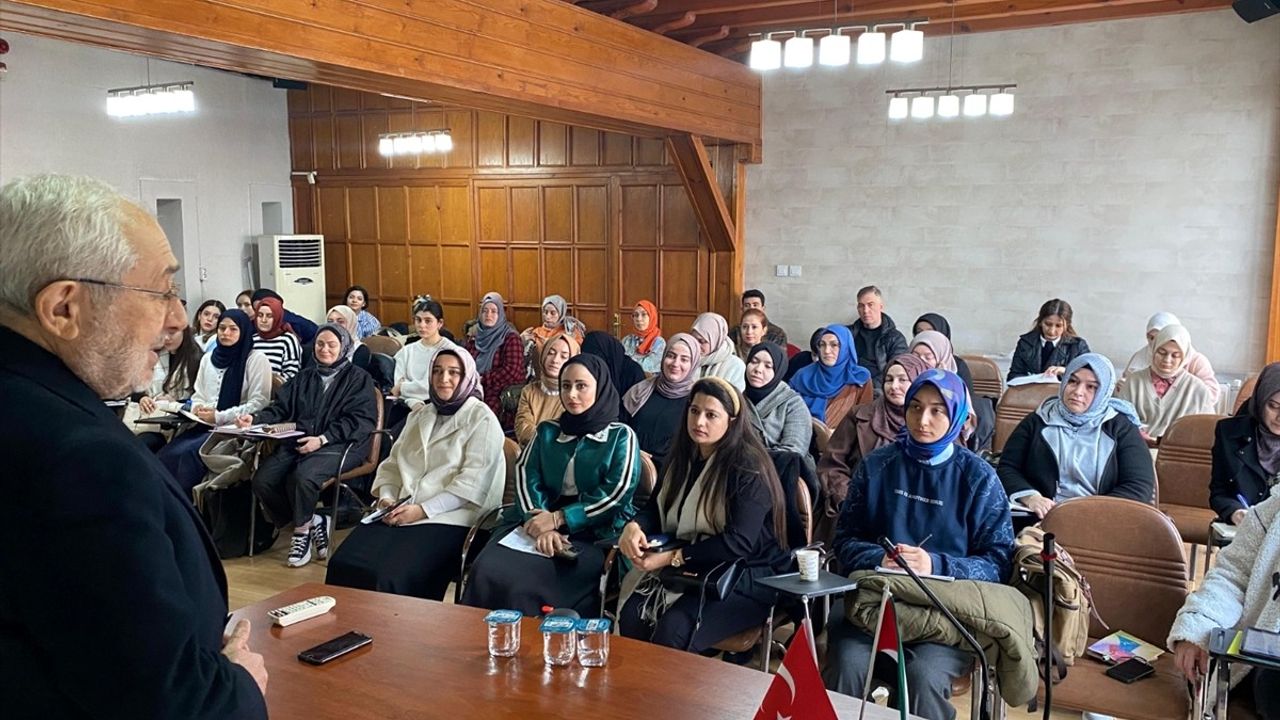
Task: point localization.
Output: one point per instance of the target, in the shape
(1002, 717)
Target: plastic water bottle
(593, 642)
(504, 632)
(559, 640)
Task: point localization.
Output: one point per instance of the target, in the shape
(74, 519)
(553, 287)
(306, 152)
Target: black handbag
(716, 583)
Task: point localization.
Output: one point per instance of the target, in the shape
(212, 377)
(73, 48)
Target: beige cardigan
(460, 454)
(1188, 396)
(534, 407)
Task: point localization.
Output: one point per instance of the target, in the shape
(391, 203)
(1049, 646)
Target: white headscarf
(1142, 358)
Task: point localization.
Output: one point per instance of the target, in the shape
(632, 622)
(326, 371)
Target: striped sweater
(284, 351)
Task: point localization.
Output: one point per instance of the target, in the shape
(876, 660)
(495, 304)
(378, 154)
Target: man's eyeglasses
(173, 293)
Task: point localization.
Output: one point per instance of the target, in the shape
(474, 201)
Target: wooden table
(430, 660)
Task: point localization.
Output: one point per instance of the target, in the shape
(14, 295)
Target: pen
(925, 540)
(1243, 501)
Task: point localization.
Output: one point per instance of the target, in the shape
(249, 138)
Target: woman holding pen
(1246, 451)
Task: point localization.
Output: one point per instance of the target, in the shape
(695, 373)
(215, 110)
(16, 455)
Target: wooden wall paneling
(322, 139)
(703, 191)
(522, 141)
(617, 149)
(649, 151)
(321, 97)
(495, 265)
(682, 294)
(373, 101)
(459, 292)
(337, 271)
(301, 155)
(423, 215)
(372, 125)
(346, 99)
(553, 144)
(584, 146)
(350, 140)
(460, 124)
(558, 214)
(362, 213)
(526, 212)
(304, 207)
(593, 214)
(491, 139)
(426, 119)
(493, 212)
(679, 223)
(640, 215)
(332, 212)
(393, 279)
(455, 214)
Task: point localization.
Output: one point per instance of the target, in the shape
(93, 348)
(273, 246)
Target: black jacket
(1028, 463)
(876, 354)
(346, 413)
(1026, 356)
(1236, 470)
(112, 597)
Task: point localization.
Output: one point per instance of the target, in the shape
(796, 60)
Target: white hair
(55, 227)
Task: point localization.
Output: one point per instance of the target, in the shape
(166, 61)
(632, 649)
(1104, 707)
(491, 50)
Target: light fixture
(907, 45)
(798, 52)
(898, 108)
(947, 102)
(922, 107)
(766, 54)
(975, 105)
(948, 106)
(166, 99)
(444, 142)
(871, 48)
(1001, 103)
(415, 143)
(834, 49)
(386, 146)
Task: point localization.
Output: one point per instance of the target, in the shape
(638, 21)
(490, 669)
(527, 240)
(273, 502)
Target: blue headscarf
(1054, 410)
(818, 383)
(955, 395)
(233, 359)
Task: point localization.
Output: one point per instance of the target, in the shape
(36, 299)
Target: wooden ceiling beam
(698, 41)
(537, 58)
(690, 156)
(679, 22)
(634, 9)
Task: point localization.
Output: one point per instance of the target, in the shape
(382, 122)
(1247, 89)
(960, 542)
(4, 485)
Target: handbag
(716, 582)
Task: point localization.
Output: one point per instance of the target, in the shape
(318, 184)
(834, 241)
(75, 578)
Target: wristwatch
(677, 560)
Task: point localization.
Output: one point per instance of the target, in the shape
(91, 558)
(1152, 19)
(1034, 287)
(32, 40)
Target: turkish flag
(797, 692)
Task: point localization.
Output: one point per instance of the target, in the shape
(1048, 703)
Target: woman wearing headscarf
(1246, 451)
(654, 408)
(448, 462)
(937, 323)
(718, 356)
(346, 317)
(555, 321)
(624, 372)
(204, 324)
(1165, 391)
(334, 404)
(645, 345)
(866, 428)
(923, 486)
(777, 412)
(275, 339)
(233, 379)
(835, 383)
(1082, 442)
(934, 347)
(575, 483)
(499, 354)
(1197, 363)
(540, 399)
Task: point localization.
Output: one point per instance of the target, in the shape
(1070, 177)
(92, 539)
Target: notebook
(1120, 646)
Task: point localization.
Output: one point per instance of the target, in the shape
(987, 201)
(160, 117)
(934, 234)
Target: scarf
(1142, 358)
(954, 394)
(648, 337)
(1181, 337)
(489, 339)
(349, 316)
(936, 321)
(941, 347)
(232, 359)
(467, 388)
(888, 420)
(624, 372)
(818, 384)
(639, 394)
(756, 394)
(714, 329)
(1054, 410)
(574, 349)
(347, 346)
(567, 324)
(1268, 442)
(605, 408)
(278, 325)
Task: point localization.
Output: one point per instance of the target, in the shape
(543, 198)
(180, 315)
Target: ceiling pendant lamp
(766, 54)
(871, 48)
(922, 107)
(898, 108)
(798, 52)
(834, 50)
(948, 106)
(907, 45)
(975, 105)
(1001, 103)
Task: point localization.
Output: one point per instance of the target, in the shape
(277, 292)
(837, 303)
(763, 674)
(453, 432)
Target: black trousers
(1266, 692)
(419, 560)
(746, 607)
(288, 483)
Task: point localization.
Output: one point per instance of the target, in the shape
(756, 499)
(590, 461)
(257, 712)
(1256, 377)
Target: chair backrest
(648, 480)
(277, 382)
(1017, 403)
(511, 451)
(1185, 461)
(804, 499)
(375, 445)
(821, 435)
(1131, 555)
(987, 380)
(1246, 392)
(383, 345)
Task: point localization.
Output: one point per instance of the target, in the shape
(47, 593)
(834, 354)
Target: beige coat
(1189, 395)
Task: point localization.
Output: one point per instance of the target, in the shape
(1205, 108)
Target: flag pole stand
(1048, 554)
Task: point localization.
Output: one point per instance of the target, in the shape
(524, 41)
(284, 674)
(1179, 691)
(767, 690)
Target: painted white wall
(1138, 174)
(227, 158)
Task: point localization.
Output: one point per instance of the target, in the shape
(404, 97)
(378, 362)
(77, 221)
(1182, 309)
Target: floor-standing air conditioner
(293, 265)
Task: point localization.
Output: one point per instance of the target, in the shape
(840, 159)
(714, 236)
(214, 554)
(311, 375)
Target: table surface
(828, 583)
(430, 659)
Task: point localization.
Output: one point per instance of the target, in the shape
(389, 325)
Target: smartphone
(1130, 670)
(335, 648)
(664, 544)
(377, 515)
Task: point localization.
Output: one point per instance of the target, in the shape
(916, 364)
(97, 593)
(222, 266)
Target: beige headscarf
(1188, 395)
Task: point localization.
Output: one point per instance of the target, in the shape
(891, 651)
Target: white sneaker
(300, 549)
(1095, 716)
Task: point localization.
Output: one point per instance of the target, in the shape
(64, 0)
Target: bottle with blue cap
(593, 641)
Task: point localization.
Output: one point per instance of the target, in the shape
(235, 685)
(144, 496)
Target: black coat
(1026, 356)
(112, 597)
(1236, 470)
(875, 355)
(346, 413)
(1028, 463)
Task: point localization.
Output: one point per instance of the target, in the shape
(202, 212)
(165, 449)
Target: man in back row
(112, 598)
(875, 337)
(754, 300)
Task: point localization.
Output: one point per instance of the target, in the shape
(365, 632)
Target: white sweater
(413, 370)
(254, 394)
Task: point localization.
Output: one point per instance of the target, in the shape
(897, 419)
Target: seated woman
(866, 428)
(1238, 593)
(934, 347)
(721, 496)
(233, 379)
(1165, 391)
(413, 361)
(555, 321)
(449, 463)
(805, 358)
(624, 372)
(366, 323)
(1197, 363)
(645, 345)
(576, 481)
(718, 360)
(1049, 345)
(344, 316)
(303, 328)
(777, 412)
(499, 355)
(276, 340)
(751, 332)
(172, 384)
(1082, 442)
(334, 405)
(937, 323)
(204, 325)
(244, 302)
(540, 399)
(1246, 451)
(655, 408)
(922, 487)
(833, 385)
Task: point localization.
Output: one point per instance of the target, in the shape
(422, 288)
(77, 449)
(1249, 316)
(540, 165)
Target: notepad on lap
(899, 571)
(1120, 646)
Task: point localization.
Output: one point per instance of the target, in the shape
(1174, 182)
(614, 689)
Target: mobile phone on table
(1130, 670)
(335, 648)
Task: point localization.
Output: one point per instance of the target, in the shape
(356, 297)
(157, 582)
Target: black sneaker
(320, 536)
(300, 550)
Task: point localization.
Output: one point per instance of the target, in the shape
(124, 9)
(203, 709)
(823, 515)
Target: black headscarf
(779, 356)
(233, 359)
(938, 322)
(604, 410)
(624, 371)
(1268, 443)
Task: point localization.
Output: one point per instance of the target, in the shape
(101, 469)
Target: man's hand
(308, 445)
(236, 647)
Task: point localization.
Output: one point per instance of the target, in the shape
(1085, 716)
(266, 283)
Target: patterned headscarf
(955, 395)
(468, 387)
(887, 419)
(346, 346)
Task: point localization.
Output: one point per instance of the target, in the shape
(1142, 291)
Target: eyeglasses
(173, 293)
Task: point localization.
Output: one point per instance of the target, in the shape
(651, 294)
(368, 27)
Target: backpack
(1072, 599)
(226, 516)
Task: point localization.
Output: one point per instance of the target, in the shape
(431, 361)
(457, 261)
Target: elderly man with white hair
(112, 599)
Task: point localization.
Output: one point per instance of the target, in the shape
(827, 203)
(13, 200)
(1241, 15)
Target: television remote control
(305, 610)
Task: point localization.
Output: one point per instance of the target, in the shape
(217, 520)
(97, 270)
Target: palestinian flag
(888, 665)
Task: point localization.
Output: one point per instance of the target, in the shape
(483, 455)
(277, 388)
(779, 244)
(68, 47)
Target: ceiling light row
(968, 100)
(836, 48)
(151, 100)
(415, 143)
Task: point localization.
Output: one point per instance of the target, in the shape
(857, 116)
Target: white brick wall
(1139, 173)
